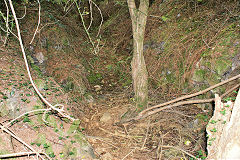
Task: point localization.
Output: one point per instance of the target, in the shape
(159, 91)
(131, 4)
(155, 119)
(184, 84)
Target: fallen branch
(155, 109)
(5, 129)
(20, 154)
(189, 96)
(186, 102)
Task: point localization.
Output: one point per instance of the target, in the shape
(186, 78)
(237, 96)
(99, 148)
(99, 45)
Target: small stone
(97, 88)
(89, 98)
(106, 117)
(40, 57)
(107, 156)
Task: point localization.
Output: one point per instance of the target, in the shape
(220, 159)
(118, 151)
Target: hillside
(188, 46)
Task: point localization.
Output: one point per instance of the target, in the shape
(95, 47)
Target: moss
(199, 75)
(3, 110)
(73, 127)
(68, 85)
(52, 121)
(221, 66)
(4, 151)
(37, 69)
(213, 79)
(41, 141)
(68, 151)
(170, 78)
(206, 53)
(94, 78)
(39, 83)
(80, 139)
(30, 59)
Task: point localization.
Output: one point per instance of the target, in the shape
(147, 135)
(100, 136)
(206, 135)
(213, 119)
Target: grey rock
(86, 152)
(236, 61)
(40, 57)
(234, 70)
(155, 46)
(107, 156)
(12, 103)
(235, 44)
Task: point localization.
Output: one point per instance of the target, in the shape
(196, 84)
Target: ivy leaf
(26, 119)
(213, 121)
(223, 112)
(213, 130)
(164, 18)
(52, 155)
(38, 144)
(45, 145)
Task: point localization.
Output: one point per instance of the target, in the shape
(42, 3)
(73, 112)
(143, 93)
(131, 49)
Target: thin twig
(6, 19)
(146, 136)
(118, 134)
(7, 27)
(12, 121)
(39, 20)
(128, 154)
(176, 148)
(160, 144)
(174, 105)
(65, 8)
(25, 12)
(177, 112)
(91, 14)
(100, 26)
(5, 129)
(85, 28)
(103, 140)
(206, 43)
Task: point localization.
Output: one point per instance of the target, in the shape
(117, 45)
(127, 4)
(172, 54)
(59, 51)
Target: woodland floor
(166, 135)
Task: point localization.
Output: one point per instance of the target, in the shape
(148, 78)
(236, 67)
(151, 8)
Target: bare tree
(139, 70)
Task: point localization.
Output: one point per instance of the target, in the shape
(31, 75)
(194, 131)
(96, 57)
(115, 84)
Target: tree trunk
(139, 70)
(224, 130)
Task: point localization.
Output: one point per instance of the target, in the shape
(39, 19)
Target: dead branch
(155, 109)
(177, 148)
(5, 129)
(20, 154)
(39, 21)
(188, 96)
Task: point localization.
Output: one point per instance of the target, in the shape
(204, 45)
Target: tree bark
(139, 70)
(224, 133)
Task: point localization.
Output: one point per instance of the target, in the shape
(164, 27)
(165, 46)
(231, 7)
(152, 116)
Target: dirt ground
(167, 135)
